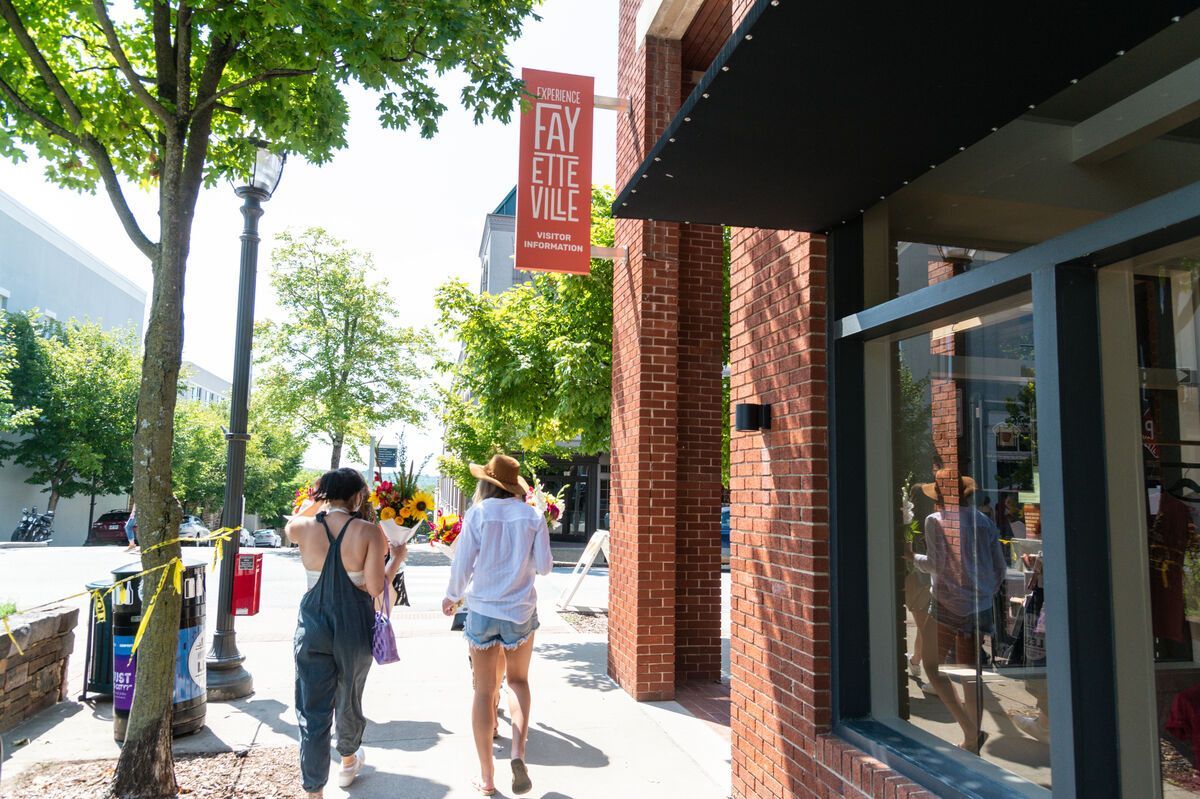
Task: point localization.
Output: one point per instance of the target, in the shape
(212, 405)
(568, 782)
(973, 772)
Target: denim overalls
(333, 655)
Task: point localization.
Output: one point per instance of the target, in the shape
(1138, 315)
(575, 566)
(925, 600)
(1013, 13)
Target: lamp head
(266, 172)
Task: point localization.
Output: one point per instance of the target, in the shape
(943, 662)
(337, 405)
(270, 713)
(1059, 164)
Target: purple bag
(383, 638)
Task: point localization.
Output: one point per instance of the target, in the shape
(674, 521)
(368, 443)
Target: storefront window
(919, 265)
(1165, 291)
(969, 541)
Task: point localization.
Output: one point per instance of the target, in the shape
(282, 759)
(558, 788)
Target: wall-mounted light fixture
(748, 416)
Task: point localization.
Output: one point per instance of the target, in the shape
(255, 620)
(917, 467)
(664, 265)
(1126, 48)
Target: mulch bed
(587, 622)
(260, 773)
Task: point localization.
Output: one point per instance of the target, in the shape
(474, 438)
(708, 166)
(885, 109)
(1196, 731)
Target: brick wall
(779, 520)
(664, 579)
(37, 679)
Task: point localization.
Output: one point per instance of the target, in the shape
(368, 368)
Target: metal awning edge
(648, 165)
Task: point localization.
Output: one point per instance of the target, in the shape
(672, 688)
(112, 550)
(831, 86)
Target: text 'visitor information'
(554, 185)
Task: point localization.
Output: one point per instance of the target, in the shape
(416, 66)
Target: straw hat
(503, 472)
(966, 485)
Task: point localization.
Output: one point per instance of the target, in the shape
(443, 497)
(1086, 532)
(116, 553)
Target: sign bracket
(620, 104)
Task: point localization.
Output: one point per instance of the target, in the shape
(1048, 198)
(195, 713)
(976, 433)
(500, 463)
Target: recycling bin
(98, 669)
(190, 696)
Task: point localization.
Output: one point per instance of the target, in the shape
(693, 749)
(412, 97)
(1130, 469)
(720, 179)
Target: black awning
(815, 109)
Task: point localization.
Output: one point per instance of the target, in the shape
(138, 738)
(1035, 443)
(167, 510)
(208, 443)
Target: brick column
(641, 649)
(698, 487)
(664, 579)
(780, 523)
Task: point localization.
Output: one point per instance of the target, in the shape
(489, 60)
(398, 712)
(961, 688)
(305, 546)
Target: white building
(41, 268)
(201, 384)
(498, 271)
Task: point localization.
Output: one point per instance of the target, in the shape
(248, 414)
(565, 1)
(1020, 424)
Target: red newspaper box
(247, 583)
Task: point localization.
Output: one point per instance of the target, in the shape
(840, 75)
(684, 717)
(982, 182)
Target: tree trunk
(146, 769)
(335, 460)
(52, 503)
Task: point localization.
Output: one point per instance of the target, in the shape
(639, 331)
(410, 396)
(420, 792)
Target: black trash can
(190, 685)
(98, 668)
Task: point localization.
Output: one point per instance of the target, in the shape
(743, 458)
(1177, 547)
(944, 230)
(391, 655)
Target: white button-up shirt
(504, 544)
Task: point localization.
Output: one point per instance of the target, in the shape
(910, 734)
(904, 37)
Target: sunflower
(374, 499)
(387, 514)
(419, 507)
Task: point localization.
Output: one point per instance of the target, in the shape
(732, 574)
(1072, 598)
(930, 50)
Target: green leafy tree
(274, 464)
(337, 362)
(536, 365)
(75, 392)
(167, 95)
(273, 459)
(198, 455)
(8, 364)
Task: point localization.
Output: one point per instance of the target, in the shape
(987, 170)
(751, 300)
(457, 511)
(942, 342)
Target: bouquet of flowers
(304, 495)
(446, 529)
(402, 506)
(549, 505)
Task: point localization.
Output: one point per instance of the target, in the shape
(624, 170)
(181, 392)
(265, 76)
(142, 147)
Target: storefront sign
(554, 182)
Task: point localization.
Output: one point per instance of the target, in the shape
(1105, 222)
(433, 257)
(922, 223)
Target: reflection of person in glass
(966, 562)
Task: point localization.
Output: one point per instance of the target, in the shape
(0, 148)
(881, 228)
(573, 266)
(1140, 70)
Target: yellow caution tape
(11, 637)
(98, 605)
(176, 569)
(148, 611)
(218, 537)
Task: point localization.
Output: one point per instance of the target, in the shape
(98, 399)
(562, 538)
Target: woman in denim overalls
(343, 557)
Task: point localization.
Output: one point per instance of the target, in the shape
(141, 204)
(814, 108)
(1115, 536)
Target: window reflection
(1166, 299)
(965, 462)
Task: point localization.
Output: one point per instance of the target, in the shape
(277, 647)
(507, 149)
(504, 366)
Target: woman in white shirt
(504, 544)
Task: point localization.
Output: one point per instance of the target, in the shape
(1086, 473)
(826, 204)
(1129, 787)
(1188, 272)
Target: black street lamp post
(227, 678)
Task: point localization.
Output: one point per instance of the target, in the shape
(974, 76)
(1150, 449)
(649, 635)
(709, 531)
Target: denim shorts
(484, 632)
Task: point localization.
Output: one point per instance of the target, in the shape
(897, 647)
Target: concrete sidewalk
(588, 738)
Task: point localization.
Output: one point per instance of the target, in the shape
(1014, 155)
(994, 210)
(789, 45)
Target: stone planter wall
(37, 679)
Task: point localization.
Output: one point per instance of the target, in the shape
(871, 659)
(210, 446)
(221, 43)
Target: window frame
(1061, 274)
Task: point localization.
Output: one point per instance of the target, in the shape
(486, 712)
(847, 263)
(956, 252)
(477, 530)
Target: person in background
(334, 629)
(966, 564)
(504, 544)
(131, 530)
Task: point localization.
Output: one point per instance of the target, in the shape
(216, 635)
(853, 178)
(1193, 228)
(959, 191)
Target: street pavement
(588, 738)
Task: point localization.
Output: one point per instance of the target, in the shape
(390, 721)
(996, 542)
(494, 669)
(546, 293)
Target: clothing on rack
(1172, 536)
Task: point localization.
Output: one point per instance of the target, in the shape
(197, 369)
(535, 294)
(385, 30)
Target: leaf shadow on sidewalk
(586, 663)
(407, 736)
(272, 713)
(547, 746)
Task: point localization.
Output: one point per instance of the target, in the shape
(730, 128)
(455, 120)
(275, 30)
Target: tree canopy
(274, 463)
(274, 458)
(74, 389)
(535, 373)
(98, 92)
(338, 362)
(198, 455)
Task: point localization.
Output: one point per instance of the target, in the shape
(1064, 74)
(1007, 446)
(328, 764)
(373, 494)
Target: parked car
(192, 527)
(267, 538)
(245, 538)
(725, 525)
(108, 529)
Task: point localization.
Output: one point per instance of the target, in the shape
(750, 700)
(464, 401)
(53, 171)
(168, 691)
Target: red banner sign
(554, 183)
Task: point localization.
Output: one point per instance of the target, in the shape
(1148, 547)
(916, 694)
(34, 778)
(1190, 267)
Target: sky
(418, 205)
